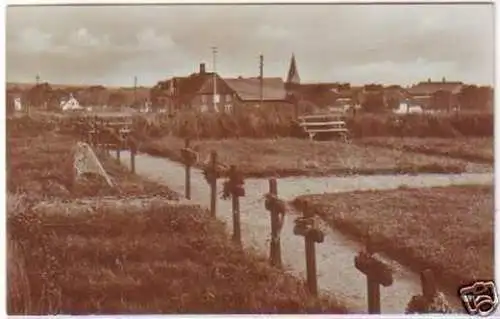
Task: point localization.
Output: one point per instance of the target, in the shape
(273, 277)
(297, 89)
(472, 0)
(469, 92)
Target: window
(203, 108)
(228, 108)
(203, 99)
(229, 98)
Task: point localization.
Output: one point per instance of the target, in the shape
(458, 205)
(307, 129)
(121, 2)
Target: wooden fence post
(133, 150)
(312, 279)
(188, 173)
(377, 274)
(118, 150)
(428, 282)
(305, 227)
(235, 198)
(213, 184)
(275, 246)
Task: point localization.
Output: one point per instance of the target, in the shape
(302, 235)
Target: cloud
(331, 42)
(149, 40)
(81, 37)
(33, 41)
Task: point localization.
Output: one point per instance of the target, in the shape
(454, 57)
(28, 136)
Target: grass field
(475, 149)
(161, 260)
(116, 260)
(448, 229)
(288, 157)
(42, 166)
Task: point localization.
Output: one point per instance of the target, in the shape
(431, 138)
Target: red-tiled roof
(248, 89)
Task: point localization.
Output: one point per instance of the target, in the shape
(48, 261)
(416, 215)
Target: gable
(207, 86)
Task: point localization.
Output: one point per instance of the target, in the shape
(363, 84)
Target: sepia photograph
(257, 158)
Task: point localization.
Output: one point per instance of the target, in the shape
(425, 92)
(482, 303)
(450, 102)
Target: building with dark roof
(435, 95)
(194, 92)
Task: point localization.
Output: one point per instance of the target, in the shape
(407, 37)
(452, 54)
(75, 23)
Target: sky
(359, 44)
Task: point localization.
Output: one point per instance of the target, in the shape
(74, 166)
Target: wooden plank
(327, 130)
(322, 123)
(319, 116)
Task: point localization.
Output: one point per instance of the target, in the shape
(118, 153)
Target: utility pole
(261, 77)
(135, 90)
(214, 54)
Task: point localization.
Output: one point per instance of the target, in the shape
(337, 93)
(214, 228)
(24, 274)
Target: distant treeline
(49, 97)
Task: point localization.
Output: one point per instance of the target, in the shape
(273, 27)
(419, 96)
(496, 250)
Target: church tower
(293, 78)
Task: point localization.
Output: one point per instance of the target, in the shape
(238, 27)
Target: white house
(17, 104)
(406, 107)
(71, 104)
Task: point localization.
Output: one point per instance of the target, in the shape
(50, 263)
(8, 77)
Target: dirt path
(335, 257)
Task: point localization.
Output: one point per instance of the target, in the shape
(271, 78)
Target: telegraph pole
(261, 76)
(214, 54)
(135, 90)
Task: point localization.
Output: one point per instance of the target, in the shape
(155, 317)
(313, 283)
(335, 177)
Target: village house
(14, 99)
(71, 104)
(196, 92)
(433, 95)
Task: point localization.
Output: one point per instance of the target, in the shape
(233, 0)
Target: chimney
(429, 80)
(202, 68)
(444, 79)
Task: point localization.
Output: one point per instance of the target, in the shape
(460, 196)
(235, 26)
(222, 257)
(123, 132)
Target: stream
(337, 275)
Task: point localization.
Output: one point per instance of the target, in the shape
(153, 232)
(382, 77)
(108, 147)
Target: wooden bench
(324, 123)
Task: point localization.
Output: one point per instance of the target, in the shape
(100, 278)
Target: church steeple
(293, 73)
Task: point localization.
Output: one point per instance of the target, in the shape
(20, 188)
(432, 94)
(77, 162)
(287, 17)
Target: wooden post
(133, 150)
(428, 282)
(236, 205)
(118, 150)
(275, 246)
(373, 295)
(377, 273)
(188, 173)
(213, 184)
(312, 280)
(304, 226)
(372, 284)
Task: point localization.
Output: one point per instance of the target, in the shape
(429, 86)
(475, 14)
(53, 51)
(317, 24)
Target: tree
(39, 95)
(373, 99)
(116, 99)
(472, 97)
(442, 100)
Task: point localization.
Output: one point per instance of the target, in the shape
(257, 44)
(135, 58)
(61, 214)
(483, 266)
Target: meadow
(447, 229)
(264, 143)
(69, 253)
(300, 157)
